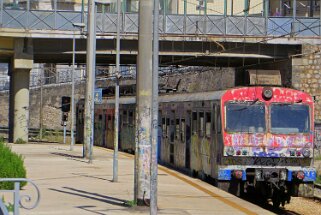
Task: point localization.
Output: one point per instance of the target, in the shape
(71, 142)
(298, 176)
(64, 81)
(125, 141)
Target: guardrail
(18, 199)
(168, 24)
(34, 133)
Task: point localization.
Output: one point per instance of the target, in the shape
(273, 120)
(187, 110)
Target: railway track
(317, 192)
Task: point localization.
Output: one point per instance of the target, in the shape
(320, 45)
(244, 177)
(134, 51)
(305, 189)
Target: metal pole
(115, 158)
(90, 80)
(65, 132)
(82, 10)
(153, 180)
(73, 93)
(294, 10)
(144, 100)
(41, 106)
(16, 197)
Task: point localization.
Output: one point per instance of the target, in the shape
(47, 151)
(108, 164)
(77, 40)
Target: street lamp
(81, 26)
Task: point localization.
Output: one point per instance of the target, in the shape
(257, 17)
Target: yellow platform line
(197, 186)
(207, 191)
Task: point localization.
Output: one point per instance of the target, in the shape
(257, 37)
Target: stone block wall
(51, 105)
(205, 79)
(306, 75)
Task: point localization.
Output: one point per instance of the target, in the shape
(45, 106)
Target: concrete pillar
(20, 98)
(19, 91)
(144, 104)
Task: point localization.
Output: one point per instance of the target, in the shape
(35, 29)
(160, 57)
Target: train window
(109, 123)
(214, 119)
(208, 124)
(245, 117)
(167, 126)
(172, 128)
(125, 117)
(183, 130)
(219, 120)
(201, 123)
(177, 132)
(112, 123)
(290, 118)
(194, 122)
(130, 117)
(164, 126)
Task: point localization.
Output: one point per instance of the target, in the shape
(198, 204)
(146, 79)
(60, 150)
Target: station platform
(70, 185)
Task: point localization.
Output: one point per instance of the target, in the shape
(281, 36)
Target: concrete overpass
(28, 36)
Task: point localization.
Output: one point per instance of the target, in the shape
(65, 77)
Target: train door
(110, 128)
(159, 134)
(171, 136)
(188, 139)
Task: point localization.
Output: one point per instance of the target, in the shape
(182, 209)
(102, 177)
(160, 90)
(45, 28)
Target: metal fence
(19, 200)
(168, 24)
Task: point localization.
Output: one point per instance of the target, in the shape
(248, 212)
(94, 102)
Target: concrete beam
(23, 54)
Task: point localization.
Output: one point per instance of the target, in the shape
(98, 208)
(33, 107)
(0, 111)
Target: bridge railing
(19, 199)
(168, 24)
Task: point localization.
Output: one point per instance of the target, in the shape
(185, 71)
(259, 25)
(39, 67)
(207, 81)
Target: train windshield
(245, 117)
(290, 118)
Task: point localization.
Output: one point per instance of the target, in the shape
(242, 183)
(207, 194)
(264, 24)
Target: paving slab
(70, 185)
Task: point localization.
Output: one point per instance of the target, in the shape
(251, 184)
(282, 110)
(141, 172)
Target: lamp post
(90, 81)
(72, 143)
(116, 123)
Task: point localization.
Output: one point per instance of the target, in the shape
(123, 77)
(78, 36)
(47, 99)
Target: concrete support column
(144, 103)
(19, 91)
(20, 101)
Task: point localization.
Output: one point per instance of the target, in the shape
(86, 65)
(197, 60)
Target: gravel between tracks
(303, 206)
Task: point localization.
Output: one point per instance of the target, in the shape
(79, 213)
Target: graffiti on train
(265, 161)
(269, 145)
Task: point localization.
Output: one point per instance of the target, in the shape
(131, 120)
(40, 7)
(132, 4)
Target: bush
(318, 180)
(20, 141)
(11, 166)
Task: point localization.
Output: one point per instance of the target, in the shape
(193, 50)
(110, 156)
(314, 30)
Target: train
(243, 140)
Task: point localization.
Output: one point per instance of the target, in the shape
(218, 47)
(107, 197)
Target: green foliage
(9, 206)
(20, 141)
(131, 203)
(1, 139)
(12, 166)
(318, 180)
(317, 158)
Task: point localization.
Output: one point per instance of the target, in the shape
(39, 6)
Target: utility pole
(90, 82)
(41, 104)
(73, 94)
(154, 161)
(144, 103)
(115, 158)
(72, 143)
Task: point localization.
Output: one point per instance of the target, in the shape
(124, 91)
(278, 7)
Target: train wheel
(223, 185)
(276, 200)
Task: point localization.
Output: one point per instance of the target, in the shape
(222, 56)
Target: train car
(242, 139)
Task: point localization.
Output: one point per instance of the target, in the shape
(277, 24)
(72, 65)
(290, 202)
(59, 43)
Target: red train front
(267, 142)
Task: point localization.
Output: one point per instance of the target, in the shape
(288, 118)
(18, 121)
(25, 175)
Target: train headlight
(230, 151)
(300, 175)
(238, 174)
(258, 174)
(283, 175)
(267, 175)
(267, 93)
(292, 152)
(306, 153)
